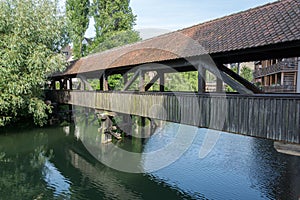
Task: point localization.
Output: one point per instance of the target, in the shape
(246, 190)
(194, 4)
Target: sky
(156, 17)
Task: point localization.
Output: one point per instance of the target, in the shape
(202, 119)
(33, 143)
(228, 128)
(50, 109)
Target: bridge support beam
(101, 82)
(52, 85)
(70, 84)
(239, 79)
(125, 78)
(161, 81)
(219, 88)
(298, 76)
(61, 87)
(129, 83)
(142, 81)
(105, 82)
(127, 124)
(151, 83)
(159, 76)
(201, 79)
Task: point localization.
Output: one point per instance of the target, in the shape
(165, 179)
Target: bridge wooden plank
(201, 110)
(292, 120)
(268, 116)
(273, 120)
(251, 118)
(277, 126)
(298, 120)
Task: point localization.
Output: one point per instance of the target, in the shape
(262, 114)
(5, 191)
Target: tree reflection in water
(53, 163)
(22, 164)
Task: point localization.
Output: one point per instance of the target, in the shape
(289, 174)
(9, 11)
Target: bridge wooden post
(61, 84)
(125, 78)
(101, 80)
(82, 83)
(70, 84)
(201, 79)
(142, 81)
(281, 81)
(298, 77)
(105, 82)
(127, 127)
(219, 85)
(52, 85)
(161, 81)
(65, 83)
(83, 86)
(143, 131)
(70, 114)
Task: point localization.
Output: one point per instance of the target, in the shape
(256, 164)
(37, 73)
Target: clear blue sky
(154, 15)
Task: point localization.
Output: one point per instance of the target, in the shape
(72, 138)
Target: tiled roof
(272, 23)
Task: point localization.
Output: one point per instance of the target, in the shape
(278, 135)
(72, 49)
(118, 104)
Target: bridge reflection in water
(237, 167)
(54, 163)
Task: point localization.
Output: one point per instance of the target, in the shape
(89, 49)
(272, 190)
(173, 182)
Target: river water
(67, 163)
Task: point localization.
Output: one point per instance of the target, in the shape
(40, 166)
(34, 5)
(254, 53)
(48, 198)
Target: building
(67, 51)
(278, 75)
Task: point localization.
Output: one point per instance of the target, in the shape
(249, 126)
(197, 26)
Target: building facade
(67, 51)
(278, 75)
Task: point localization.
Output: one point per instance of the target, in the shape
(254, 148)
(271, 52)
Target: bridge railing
(272, 116)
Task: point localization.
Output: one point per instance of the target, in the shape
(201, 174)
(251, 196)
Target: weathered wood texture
(275, 117)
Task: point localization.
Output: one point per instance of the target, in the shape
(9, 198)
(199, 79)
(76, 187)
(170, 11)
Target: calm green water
(60, 163)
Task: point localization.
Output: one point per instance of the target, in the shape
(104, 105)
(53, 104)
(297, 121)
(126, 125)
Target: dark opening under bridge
(267, 32)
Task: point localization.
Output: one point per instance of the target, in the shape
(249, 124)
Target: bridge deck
(269, 116)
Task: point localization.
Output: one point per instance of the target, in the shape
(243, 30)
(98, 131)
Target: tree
(246, 73)
(78, 22)
(114, 23)
(113, 20)
(184, 81)
(31, 33)
(116, 39)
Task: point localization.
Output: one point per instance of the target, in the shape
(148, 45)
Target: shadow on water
(54, 163)
(284, 171)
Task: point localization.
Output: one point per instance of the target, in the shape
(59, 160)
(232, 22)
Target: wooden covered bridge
(266, 32)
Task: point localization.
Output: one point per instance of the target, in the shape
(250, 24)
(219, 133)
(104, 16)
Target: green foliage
(114, 22)
(116, 39)
(185, 81)
(21, 171)
(78, 22)
(30, 37)
(94, 83)
(112, 16)
(115, 82)
(245, 72)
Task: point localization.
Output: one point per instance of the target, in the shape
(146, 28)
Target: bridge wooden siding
(275, 117)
